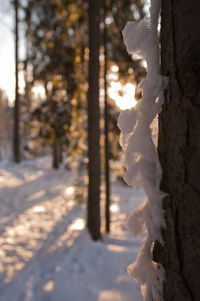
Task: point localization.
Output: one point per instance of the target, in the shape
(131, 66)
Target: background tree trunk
(93, 218)
(60, 152)
(106, 127)
(16, 134)
(56, 154)
(179, 149)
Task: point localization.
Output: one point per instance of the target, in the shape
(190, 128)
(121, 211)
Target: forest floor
(46, 253)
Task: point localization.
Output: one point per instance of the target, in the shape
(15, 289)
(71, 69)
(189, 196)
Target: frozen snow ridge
(141, 158)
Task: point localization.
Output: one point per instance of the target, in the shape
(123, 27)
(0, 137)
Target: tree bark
(56, 154)
(179, 150)
(60, 153)
(106, 127)
(16, 134)
(93, 218)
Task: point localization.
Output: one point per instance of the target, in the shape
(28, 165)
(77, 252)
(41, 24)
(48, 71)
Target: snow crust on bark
(143, 169)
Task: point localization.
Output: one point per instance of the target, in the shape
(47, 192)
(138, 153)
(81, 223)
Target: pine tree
(54, 32)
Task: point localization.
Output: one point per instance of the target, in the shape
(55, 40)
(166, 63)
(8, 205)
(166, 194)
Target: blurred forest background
(65, 76)
(51, 113)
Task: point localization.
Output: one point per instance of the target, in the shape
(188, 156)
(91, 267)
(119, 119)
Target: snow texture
(141, 158)
(46, 254)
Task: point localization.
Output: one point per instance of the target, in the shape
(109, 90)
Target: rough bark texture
(179, 149)
(93, 219)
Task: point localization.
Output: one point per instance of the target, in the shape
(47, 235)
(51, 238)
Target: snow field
(46, 253)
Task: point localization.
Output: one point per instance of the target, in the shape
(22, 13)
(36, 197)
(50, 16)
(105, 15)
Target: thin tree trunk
(107, 168)
(93, 218)
(60, 153)
(27, 98)
(179, 150)
(56, 155)
(16, 134)
(27, 61)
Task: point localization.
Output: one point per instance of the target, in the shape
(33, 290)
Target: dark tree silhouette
(106, 126)
(16, 133)
(93, 218)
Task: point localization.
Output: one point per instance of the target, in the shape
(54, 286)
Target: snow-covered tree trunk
(179, 150)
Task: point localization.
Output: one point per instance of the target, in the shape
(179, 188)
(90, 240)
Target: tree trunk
(107, 168)
(16, 134)
(56, 154)
(93, 218)
(179, 150)
(60, 153)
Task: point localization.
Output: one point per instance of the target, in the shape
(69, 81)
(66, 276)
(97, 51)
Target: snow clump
(143, 169)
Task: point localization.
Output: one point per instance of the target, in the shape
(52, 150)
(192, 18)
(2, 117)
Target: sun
(126, 100)
(39, 91)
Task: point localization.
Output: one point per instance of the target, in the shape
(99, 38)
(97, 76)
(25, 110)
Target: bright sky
(7, 71)
(122, 95)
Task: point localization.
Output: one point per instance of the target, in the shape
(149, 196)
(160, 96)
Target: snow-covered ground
(46, 253)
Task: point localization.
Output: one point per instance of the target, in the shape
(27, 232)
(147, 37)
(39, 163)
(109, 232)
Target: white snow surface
(46, 253)
(143, 169)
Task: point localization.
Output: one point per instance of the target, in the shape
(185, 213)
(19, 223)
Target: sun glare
(39, 91)
(126, 100)
(49, 286)
(69, 191)
(114, 68)
(39, 209)
(114, 208)
(78, 224)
